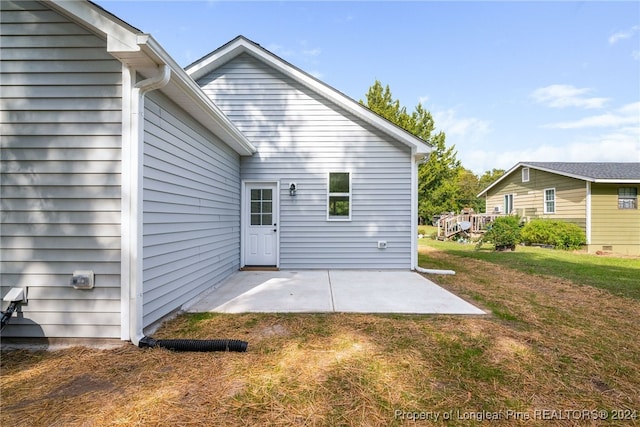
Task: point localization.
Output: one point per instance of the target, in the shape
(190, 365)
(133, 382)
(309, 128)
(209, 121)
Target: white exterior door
(261, 227)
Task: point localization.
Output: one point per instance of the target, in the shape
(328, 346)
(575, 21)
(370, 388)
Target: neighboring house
(115, 161)
(602, 198)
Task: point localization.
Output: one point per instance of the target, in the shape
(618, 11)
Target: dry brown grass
(551, 344)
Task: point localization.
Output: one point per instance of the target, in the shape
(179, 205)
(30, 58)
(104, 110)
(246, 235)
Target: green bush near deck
(504, 233)
(560, 234)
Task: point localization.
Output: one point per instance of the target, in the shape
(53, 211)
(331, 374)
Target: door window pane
(261, 206)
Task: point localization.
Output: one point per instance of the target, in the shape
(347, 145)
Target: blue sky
(506, 81)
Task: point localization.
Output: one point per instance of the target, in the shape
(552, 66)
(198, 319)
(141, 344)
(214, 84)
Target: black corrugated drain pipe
(6, 315)
(195, 345)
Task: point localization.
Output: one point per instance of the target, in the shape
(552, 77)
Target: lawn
(618, 275)
(553, 350)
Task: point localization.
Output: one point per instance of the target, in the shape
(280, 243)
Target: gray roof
(591, 171)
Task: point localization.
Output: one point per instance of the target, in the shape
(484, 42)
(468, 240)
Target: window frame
(628, 199)
(527, 174)
(505, 204)
(336, 194)
(545, 201)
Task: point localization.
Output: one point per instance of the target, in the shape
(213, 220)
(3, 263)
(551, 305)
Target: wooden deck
(465, 224)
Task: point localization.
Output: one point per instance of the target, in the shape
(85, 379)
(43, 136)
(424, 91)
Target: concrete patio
(347, 291)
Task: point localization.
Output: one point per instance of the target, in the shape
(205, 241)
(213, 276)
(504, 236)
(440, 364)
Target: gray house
(155, 183)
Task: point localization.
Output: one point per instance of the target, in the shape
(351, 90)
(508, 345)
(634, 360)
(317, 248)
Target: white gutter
(134, 163)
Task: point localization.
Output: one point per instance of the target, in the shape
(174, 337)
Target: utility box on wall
(82, 279)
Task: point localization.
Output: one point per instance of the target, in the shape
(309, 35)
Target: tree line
(444, 185)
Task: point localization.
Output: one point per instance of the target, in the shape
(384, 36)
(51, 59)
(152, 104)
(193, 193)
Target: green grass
(620, 276)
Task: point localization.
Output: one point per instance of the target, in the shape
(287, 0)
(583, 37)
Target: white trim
(588, 213)
(349, 194)
(523, 174)
(244, 208)
(143, 53)
(128, 127)
(414, 211)
(556, 172)
(544, 201)
(504, 203)
(134, 244)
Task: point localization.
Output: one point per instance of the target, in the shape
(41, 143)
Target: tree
(437, 189)
(489, 177)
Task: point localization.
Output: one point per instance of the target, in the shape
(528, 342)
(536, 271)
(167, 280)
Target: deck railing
(475, 223)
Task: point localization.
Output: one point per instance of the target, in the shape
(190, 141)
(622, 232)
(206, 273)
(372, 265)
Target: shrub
(503, 232)
(562, 235)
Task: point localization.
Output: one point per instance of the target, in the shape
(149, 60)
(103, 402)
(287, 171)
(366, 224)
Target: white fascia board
(242, 45)
(183, 90)
(144, 54)
(119, 38)
(616, 181)
(556, 172)
(506, 174)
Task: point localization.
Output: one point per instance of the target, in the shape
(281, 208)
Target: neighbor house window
(508, 203)
(525, 174)
(550, 200)
(339, 196)
(627, 198)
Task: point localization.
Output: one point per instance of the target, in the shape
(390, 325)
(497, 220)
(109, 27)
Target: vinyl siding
(60, 188)
(610, 226)
(300, 138)
(191, 209)
(528, 197)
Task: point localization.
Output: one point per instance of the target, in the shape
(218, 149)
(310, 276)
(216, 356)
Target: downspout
(414, 221)
(414, 209)
(138, 92)
(135, 246)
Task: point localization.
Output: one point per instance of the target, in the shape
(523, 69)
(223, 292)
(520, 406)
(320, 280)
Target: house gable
(241, 45)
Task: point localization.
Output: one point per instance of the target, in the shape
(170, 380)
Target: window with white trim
(508, 203)
(628, 198)
(525, 174)
(549, 200)
(339, 196)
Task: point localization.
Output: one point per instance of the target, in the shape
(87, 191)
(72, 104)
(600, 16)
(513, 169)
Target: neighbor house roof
(601, 172)
(241, 45)
(142, 53)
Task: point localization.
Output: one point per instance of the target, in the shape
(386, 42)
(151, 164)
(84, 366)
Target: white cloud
(560, 96)
(624, 34)
(312, 52)
(636, 55)
(623, 145)
(279, 50)
(463, 128)
(626, 115)
(423, 100)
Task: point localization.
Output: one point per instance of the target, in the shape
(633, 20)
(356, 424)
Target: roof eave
(141, 52)
(183, 88)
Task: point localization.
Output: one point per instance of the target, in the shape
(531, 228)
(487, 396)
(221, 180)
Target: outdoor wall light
(292, 189)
